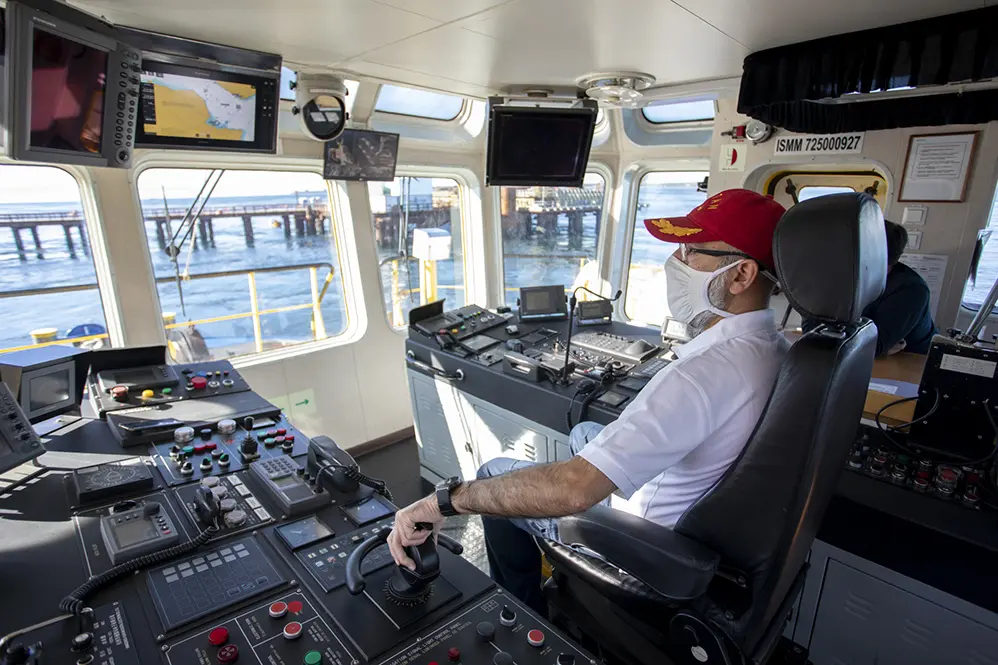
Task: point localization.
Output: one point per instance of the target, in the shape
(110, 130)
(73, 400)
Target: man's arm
(897, 315)
(544, 490)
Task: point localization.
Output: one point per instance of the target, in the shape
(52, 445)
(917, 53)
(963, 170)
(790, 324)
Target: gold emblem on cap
(666, 226)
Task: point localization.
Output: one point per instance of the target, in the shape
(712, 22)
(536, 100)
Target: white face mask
(686, 290)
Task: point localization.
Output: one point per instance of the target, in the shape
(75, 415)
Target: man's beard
(719, 297)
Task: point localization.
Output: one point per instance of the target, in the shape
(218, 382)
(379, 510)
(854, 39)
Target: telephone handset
(337, 471)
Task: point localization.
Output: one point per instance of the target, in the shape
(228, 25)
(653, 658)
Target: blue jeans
(514, 558)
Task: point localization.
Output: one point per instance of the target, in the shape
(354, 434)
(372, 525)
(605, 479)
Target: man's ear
(746, 274)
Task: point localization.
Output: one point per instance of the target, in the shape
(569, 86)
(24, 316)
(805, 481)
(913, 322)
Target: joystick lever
(405, 586)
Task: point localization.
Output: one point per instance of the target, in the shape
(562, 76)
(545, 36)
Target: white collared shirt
(686, 427)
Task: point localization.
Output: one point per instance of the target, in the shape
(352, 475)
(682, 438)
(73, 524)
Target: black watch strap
(444, 490)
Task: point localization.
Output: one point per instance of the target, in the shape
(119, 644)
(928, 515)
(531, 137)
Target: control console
(18, 441)
(461, 323)
(948, 482)
(134, 532)
(495, 631)
(616, 346)
(117, 389)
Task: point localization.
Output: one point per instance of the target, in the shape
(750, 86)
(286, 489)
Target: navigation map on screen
(195, 108)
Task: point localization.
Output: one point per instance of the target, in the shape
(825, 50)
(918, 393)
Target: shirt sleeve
(898, 314)
(667, 420)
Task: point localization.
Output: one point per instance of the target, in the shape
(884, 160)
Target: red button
(535, 638)
(290, 438)
(200, 449)
(271, 433)
(292, 631)
(295, 607)
(120, 393)
(282, 432)
(199, 382)
(278, 609)
(218, 636)
(228, 654)
(210, 446)
(454, 654)
(279, 440)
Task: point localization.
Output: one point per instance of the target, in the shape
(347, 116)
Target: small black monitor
(360, 154)
(46, 381)
(543, 303)
(530, 146)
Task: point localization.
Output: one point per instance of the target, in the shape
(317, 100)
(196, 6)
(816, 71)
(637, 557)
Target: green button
(313, 658)
(188, 450)
(167, 391)
(269, 442)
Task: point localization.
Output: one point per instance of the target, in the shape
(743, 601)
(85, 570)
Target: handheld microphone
(572, 302)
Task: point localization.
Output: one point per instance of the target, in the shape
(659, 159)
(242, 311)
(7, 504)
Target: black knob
(566, 659)
(249, 446)
(502, 658)
(206, 434)
(248, 423)
(17, 654)
(223, 459)
(150, 509)
(486, 630)
(507, 617)
(187, 468)
(82, 642)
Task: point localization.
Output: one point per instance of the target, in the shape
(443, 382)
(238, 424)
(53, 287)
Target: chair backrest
(763, 514)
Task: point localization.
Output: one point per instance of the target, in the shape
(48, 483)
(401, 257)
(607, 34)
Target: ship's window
(419, 235)
(550, 235)
(807, 193)
(418, 103)
(666, 113)
(660, 194)
(287, 76)
(977, 289)
(258, 269)
(48, 284)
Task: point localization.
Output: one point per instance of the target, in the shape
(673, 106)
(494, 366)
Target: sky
(30, 184)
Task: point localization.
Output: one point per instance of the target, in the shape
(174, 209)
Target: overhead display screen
(195, 108)
(530, 146)
(188, 107)
(67, 94)
(360, 154)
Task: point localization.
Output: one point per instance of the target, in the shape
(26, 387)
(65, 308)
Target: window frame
(103, 273)
(343, 243)
(626, 236)
(465, 189)
(599, 168)
(460, 112)
(772, 181)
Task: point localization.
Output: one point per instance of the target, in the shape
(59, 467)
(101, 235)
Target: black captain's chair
(719, 587)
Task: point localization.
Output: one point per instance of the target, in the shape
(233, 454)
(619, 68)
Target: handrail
(319, 329)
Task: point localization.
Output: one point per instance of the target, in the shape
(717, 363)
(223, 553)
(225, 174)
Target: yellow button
(146, 394)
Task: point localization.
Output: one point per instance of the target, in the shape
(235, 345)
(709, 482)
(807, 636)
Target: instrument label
(954, 363)
(820, 144)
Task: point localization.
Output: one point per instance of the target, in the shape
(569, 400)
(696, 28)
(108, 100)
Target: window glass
(987, 268)
(287, 76)
(418, 231)
(807, 193)
(550, 235)
(679, 112)
(259, 268)
(44, 249)
(419, 103)
(660, 194)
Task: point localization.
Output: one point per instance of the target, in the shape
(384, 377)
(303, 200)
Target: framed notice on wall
(937, 167)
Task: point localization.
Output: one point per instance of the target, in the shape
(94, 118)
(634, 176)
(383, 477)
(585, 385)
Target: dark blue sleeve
(897, 314)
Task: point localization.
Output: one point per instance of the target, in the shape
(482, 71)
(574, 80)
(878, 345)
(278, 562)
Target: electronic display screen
(304, 532)
(182, 107)
(49, 389)
(285, 482)
(539, 146)
(361, 155)
(134, 532)
(368, 510)
(538, 301)
(541, 300)
(136, 377)
(67, 94)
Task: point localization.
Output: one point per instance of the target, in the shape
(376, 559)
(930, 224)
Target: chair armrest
(670, 563)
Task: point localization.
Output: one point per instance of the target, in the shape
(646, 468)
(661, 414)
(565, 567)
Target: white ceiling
(477, 47)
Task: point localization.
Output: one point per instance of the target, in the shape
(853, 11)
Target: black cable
(354, 473)
(73, 603)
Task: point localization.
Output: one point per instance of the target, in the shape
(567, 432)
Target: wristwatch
(444, 490)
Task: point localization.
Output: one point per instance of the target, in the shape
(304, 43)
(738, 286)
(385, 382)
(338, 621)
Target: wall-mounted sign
(937, 166)
(819, 144)
(733, 157)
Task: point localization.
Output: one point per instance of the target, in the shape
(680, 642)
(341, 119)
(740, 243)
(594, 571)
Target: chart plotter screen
(188, 107)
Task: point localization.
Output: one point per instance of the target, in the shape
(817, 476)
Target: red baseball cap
(740, 217)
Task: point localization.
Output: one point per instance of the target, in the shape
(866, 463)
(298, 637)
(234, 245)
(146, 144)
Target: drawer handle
(413, 361)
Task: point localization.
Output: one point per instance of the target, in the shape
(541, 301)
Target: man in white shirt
(682, 431)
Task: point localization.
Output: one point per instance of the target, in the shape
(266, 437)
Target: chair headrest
(831, 256)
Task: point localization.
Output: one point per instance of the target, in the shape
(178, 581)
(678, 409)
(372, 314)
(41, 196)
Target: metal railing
(255, 313)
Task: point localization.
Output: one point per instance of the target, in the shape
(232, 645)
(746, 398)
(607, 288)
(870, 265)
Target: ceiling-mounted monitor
(535, 146)
(360, 154)
(71, 89)
(200, 96)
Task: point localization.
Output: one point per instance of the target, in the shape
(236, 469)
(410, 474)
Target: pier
(32, 221)
(300, 220)
(531, 211)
